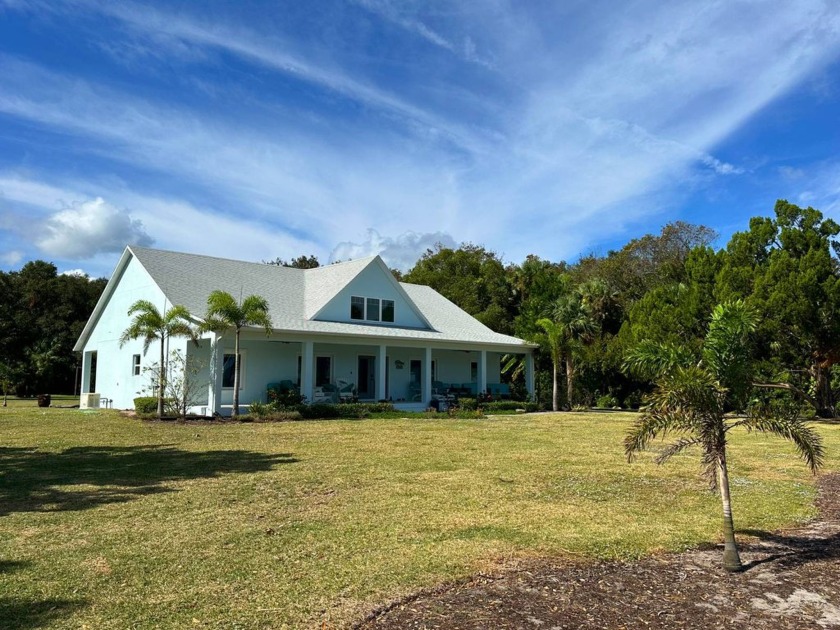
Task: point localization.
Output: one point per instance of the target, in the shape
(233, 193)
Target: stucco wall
(114, 367)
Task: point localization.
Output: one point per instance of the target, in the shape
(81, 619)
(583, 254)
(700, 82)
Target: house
(350, 322)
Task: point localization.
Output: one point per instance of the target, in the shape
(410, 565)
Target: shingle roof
(295, 295)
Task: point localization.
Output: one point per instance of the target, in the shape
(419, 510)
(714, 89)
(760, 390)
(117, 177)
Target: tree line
(42, 314)
(586, 316)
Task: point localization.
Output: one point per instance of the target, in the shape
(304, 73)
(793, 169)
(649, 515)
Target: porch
(409, 376)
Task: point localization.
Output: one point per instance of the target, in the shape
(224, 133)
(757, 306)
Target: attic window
(371, 309)
(387, 310)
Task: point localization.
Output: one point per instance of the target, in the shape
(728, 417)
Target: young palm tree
(225, 313)
(150, 324)
(691, 399)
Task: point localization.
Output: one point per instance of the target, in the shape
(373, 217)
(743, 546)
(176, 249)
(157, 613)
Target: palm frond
(676, 448)
(808, 442)
(651, 360)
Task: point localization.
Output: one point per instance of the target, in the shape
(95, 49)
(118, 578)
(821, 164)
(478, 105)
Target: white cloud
(88, 228)
(81, 273)
(11, 258)
(399, 252)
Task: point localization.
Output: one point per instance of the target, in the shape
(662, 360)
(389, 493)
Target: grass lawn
(109, 522)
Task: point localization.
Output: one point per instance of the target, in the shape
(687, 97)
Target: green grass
(109, 522)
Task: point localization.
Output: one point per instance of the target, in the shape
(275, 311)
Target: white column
(217, 356)
(307, 369)
(85, 372)
(381, 371)
(427, 378)
(529, 372)
(482, 371)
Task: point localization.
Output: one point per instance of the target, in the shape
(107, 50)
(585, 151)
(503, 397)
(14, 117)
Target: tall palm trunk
(161, 379)
(570, 380)
(731, 559)
(236, 375)
(555, 393)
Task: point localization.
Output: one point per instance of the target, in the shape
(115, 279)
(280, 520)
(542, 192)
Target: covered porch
(407, 373)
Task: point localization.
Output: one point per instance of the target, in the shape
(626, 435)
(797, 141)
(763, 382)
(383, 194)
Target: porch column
(381, 372)
(307, 368)
(85, 372)
(427, 378)
(217, 357)
(482, 372)
(529, 373)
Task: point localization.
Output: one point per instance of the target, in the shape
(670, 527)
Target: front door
(366, 383)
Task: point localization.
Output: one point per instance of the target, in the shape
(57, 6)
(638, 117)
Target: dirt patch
(792, 580)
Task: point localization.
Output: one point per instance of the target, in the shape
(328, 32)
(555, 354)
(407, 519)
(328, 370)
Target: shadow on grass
(19, 614)
(788, 552)
(34, 481)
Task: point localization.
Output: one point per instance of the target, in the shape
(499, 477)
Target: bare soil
(791, 580)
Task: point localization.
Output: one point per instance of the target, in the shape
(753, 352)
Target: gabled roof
(296, 296)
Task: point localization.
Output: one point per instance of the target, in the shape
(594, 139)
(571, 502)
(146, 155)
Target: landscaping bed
(792, 580)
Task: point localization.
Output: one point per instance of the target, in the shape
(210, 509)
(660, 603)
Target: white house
(350, 322)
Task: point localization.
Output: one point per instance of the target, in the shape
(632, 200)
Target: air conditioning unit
(89, 401)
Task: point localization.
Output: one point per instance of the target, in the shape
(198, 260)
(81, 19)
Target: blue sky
(262, 129)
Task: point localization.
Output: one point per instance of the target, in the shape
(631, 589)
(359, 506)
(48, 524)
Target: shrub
(285, 398)
(510, 405)
(607, 401)
(259, 409)
(633, 400)
(280, 416)
(467, 404)
(145, 404)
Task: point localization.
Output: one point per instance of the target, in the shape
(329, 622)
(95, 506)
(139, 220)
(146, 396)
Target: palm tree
(692, 396)
(563, 336)
(150, 324)
(225, 313)
(575, 316)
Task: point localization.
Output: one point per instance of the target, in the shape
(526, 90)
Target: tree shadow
(37, 481)
(19, 614)
(788, 551)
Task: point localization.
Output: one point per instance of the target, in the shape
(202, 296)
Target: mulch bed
(792, 580)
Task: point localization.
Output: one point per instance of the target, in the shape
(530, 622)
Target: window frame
(136, 368)
(374, 309)
(242, 369)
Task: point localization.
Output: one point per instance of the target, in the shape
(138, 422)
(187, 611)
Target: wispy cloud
(400, 252)
(590, 121)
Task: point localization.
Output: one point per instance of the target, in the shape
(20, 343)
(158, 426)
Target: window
(387, 310)
(357, 307)
(474, 372)
(135, 365)
(373, 309)
(323, 370)
(228, 370)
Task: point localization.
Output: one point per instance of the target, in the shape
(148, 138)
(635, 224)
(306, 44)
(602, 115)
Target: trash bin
(44, 400)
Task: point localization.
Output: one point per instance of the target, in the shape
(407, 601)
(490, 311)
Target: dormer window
(371, 309)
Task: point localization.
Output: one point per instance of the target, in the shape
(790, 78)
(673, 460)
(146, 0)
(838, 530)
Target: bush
(509, 405)
(467, 404)
(285, 398)
(343, 410)
(633, 400)
(607, 401)
(280, 416)
(259, 409)
(145, 404)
